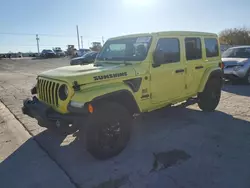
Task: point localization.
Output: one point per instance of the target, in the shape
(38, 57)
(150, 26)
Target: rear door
(194, 63)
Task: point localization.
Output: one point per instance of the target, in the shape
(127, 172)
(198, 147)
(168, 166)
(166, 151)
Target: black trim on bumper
(42, 112)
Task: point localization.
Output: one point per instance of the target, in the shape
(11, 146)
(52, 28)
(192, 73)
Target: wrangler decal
(107, 76)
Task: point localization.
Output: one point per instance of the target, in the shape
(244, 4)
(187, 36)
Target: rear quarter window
(212, 47)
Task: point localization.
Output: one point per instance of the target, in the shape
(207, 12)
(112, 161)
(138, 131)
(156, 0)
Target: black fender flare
(123, 97)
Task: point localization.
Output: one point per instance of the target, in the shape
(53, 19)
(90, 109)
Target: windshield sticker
(143, 39)
(107, 76)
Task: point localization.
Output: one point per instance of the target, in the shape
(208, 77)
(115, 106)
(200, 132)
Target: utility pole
(81, 42)
(37, 43)
(77, 32)
(102, 40)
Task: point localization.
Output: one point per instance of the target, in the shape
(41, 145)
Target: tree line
(235, 36)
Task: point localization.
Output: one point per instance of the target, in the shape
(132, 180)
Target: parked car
(59, 52)
(236, 62)
(33, 55)
(20, 55)
(81, 52)
(132, 75)
(85, 59)
(48, 54)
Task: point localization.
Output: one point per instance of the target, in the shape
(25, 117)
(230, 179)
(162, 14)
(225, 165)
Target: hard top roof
(169, 33)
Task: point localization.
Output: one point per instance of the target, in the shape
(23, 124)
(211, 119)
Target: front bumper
(50, 55)
(230, 73)
(45, 114)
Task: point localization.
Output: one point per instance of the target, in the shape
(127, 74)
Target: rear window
(212, 47)
(193, 48)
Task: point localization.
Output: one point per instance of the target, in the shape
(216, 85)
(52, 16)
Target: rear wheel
(209, 99)
(108, 131)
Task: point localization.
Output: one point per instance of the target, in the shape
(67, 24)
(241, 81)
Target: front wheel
(209, 99)
(108, 131)
(247, 77)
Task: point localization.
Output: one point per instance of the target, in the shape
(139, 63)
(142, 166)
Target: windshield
(237, 53)
(126, 49)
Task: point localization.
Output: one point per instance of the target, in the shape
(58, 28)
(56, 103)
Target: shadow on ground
(214, 148)
(29, 167)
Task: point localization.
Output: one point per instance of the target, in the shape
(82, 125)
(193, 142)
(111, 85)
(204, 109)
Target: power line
(1, 33)
(46, 35)
(32, 34)
(34, 45)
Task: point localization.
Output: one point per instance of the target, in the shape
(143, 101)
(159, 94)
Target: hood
(234, 61)
(85, 74)
(77, 58)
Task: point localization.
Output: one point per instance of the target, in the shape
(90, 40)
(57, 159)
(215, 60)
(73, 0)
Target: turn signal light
(90, 108)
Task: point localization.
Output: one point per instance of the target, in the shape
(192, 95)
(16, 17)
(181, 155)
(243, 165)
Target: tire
(209, 99)
(103, 140)
(247, 77)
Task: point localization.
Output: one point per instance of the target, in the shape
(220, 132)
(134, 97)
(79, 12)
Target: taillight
(221, 65)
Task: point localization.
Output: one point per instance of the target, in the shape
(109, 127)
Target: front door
(194, 64)
(168, 79)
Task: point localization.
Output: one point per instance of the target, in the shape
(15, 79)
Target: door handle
(179, 71)
(199, 67)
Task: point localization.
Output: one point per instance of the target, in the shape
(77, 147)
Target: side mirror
(158, 58)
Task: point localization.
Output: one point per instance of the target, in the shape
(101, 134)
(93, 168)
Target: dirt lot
(174, 147)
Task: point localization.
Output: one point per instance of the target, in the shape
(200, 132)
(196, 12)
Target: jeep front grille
(48, 91)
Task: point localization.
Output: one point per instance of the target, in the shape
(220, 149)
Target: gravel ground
(173, 147)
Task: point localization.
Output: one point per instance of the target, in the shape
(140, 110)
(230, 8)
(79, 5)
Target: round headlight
(63, 92)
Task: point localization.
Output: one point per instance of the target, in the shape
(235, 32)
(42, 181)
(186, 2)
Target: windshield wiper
(105, 61)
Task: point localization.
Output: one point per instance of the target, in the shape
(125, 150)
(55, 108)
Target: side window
(211, 45)
(171, 49)
(193, 48)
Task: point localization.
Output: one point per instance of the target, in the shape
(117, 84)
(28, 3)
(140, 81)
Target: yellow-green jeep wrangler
(132, 74)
